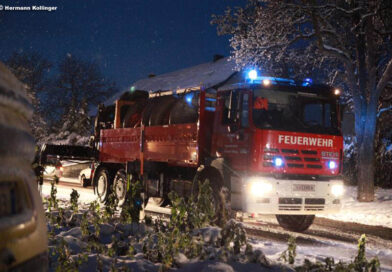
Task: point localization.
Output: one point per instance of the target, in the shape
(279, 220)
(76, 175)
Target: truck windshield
(288, 111)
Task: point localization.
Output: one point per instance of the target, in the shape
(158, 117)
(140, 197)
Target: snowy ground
(377, 213)
(338, 250)
(86, 194)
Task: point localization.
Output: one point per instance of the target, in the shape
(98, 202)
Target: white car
(52, 170)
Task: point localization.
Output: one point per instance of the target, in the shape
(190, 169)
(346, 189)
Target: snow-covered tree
(78, 86)
(351, 38)
(32, 69)
(383, 144)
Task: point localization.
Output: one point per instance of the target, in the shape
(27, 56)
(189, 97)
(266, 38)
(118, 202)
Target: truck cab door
(232, 139)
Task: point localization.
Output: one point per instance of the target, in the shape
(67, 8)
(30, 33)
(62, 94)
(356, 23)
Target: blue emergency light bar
(253, 77)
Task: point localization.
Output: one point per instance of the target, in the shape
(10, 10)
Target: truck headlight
(337, 190)
(258, 187)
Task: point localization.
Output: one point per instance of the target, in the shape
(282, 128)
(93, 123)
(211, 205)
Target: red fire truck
(275, 144)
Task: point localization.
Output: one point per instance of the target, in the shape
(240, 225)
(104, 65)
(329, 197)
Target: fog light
(332, 165)
(337, 190)
(278, 162)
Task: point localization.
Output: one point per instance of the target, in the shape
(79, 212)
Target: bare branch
(383, 110)
(326, 6)
(385, 78)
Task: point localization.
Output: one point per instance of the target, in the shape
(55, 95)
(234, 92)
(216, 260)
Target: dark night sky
(128, 38)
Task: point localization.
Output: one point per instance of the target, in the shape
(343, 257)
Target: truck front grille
(291, 151)
(299, 204)
(309, 152)
(290, 200)
(290, 204)
(314, 207)
(315, 201)
(289, 207)
(295, 165)
(314, 166)
(294, 158)
(311, 159)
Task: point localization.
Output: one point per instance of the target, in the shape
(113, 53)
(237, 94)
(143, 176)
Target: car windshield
(289, 111)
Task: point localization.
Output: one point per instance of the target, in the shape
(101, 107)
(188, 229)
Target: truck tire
(104, 181)
(220, 197)
(120, 186)
(297, 223)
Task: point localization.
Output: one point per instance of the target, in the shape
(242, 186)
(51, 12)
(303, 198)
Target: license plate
(304, 187)
(7, 199)
(329, 155)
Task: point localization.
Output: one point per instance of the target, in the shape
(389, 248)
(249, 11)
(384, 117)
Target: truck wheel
(220, 197)
(297, 223)
(120, 186)
(104, 181)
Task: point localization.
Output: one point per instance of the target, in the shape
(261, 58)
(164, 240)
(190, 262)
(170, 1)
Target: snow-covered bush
(90, 238)
(383, 146)
(132, 206)
(290, 253)
(86, 240)
(349, 160)
(74, 200)
(360, 262)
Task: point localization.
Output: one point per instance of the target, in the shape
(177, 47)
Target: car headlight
(258, 187)
(337, 190)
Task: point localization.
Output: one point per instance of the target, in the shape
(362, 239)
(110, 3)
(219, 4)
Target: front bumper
(286, 196)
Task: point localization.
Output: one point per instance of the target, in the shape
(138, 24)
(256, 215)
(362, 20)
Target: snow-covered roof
(206, 75)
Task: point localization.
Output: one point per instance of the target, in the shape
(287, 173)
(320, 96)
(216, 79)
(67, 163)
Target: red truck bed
(176, 144)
